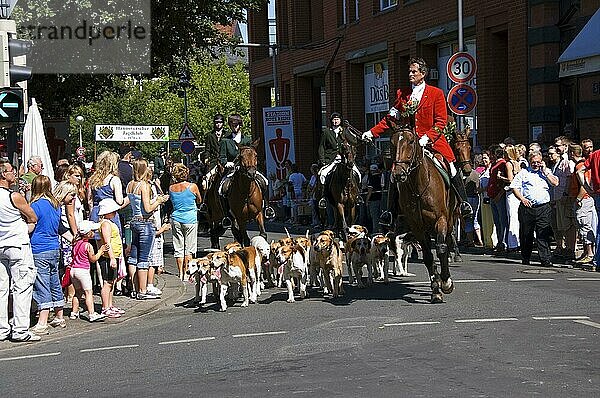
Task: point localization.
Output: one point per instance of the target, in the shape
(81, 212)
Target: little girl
(83, 255)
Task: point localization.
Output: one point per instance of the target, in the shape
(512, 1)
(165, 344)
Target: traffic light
(13, 68)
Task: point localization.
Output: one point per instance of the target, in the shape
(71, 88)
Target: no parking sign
(462, 99)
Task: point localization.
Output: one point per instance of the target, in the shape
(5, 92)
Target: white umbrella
(34, 140)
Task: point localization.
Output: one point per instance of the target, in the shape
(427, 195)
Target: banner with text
(114, 132)
(279, 140)
(376, 87)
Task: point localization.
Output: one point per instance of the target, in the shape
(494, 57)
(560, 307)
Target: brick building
(350, 56)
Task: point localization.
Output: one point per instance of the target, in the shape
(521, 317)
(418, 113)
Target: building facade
(350, 56)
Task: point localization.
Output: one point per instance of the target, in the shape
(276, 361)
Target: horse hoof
(437, 298)
(448, 286)
(458, 258)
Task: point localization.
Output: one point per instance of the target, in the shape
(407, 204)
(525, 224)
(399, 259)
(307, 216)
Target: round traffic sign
(462, 99)
(461, 67)
(80, 151)
(187, 147)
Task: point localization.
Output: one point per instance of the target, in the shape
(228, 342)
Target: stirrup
(269, 213)
(226, 222)
(322, 203)
(386, 219)
(466, 210)
(203, 208)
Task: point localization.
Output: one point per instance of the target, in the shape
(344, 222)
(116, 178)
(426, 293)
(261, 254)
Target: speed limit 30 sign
(461, 67)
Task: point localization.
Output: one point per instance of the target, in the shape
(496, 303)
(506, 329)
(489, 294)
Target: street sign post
(462, 99)
(461, 67)
(80, 151)
(187, 147)
(186, 133)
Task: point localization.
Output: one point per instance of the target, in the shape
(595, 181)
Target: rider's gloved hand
(229, 165)
(394, 112)
(423, 140)
(367, 136)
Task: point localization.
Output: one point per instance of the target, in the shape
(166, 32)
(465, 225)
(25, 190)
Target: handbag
(66, 279)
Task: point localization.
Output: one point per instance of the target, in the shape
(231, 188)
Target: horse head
(462, 150)
(248, 158)
(409, 153)
(348, 153)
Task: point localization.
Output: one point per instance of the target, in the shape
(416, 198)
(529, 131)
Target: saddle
(441, 165)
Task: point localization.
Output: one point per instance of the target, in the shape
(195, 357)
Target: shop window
(386, 4)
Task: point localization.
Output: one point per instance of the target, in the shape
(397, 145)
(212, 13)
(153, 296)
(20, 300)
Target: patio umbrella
(34, 140)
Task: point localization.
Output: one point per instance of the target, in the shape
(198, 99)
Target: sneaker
(110, 314)
(146, 296)
(25, 337)
(153, 290)
(95, 317)
(58, 322)
(74, 315)
(117, 310)
(39, 329)
(584, 260)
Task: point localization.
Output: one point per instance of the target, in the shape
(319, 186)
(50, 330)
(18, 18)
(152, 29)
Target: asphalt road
(506, 330)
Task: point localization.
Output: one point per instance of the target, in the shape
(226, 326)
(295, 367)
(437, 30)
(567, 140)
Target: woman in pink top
(83, 255)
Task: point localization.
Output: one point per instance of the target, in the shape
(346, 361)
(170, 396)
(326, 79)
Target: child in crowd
(83, 255)
(109, 261)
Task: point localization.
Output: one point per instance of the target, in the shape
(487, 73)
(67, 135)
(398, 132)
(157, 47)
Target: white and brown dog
(237, 267)
(329, 257)
(354, 232)
(379, 256)
(295, 265)
(276, 269)
(264, 251)
(401, 247)
(360, 255)
(201, 273)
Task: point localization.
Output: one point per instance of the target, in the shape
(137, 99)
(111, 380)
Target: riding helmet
(334, 115)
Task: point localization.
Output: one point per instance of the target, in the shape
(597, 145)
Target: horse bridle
(413, 163)
(461, 164)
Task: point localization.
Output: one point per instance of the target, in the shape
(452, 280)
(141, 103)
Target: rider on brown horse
(229, 150)
(329, 151)
(430, 118)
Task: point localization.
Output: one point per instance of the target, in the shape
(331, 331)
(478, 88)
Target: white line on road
(474, 280)
(186, 341)
(485, 320)
(260, 334)
(116, 347)
(588, 323)
(560, 318)
(584, 279)
(50, 354)
(411, 323)
(353, 327)
(419, 283)
(531, 279)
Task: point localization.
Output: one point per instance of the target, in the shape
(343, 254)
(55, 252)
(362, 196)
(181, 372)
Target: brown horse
(461, 147)
(427, 204)
(245, 197)
(213, 216)
(342, 189)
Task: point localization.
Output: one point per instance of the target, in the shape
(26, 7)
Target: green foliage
(215, 88)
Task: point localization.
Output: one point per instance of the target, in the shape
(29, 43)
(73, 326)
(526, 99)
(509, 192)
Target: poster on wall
(377, 88)
(279, 141)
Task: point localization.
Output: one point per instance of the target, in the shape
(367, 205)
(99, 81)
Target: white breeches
(325, 170)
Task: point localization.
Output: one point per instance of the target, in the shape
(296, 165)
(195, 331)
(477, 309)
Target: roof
(587, 43)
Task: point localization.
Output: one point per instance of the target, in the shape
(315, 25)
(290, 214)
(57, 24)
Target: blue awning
(583, 54)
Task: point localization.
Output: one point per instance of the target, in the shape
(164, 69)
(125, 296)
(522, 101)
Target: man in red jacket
(431, 113)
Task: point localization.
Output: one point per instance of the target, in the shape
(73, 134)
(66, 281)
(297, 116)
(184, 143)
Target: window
(385, 4)
(347, 11)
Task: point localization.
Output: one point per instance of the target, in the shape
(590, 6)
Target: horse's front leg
(260, 220)
(442, 244)
(342, 218)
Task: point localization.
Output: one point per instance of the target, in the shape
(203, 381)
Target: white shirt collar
(237, 137)
(417, 92)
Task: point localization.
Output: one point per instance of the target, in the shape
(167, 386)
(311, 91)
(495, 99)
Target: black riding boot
(269, 211)
(386, 219)
(226, 222)
(459, 188)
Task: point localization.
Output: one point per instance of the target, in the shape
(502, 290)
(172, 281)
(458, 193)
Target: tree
(215, 88)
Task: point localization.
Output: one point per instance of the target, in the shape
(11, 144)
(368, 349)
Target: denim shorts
(142, 237)
(47, 291)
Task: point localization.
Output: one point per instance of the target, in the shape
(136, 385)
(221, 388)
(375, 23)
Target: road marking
(419, 283)
(588, 323)
(583, 279)
(560, 318)
(474, 280)
(50, 354)
(116, 347)
(531, 279)
(485, 320)
(353, 327)
(186, 341)
(260, 334)
(411, 323)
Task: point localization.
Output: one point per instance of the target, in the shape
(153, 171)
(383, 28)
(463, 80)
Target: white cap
(106, 206)
(87, 226)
